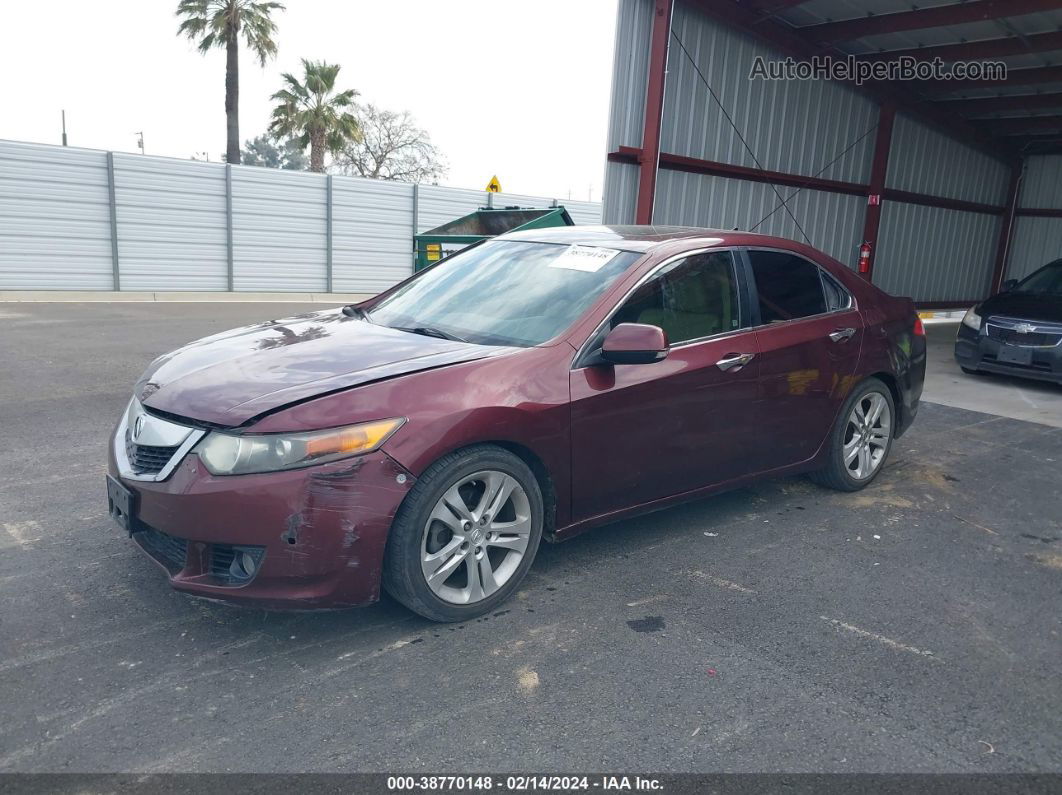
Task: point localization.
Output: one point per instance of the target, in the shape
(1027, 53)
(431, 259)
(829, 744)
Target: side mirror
(1009, 285)
(634, 343)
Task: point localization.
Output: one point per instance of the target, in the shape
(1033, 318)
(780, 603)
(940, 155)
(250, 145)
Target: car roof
(643, 239)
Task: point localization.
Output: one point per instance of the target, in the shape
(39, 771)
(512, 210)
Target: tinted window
(1046, 281)
(505, 292)
(789, 287)
(836, 296)
(690, 298)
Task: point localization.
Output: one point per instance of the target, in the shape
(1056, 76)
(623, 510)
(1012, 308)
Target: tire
(842, 476)
(970, 370)
(444, 530)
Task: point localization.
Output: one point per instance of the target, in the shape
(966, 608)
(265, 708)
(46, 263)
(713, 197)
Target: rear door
(648, 431)
(809, 335)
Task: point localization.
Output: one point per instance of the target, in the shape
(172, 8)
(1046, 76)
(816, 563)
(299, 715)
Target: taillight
(919, 329)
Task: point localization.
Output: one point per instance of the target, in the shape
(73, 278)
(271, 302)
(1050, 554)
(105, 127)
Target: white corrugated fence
(82, 219)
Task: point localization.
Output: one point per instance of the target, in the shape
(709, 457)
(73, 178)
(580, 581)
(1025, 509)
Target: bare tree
(392, 147)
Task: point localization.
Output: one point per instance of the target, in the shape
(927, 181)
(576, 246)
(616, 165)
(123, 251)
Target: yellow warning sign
(494, 186)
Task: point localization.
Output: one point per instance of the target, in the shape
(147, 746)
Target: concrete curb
(86, 296)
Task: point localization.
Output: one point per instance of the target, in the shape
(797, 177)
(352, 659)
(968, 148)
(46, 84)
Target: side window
(691, 298)
(836, 296)
(789, 287)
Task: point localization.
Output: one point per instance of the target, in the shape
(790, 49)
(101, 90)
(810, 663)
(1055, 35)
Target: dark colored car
(1017, 332)
(532, 386)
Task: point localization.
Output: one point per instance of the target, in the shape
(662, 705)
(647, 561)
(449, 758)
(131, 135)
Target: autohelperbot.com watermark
(859, 70)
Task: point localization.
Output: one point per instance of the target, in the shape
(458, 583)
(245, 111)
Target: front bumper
(977, 351)
(321, 531)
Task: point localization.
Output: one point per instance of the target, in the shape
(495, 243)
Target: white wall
(172, 222)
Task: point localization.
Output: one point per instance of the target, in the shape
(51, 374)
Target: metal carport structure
(953, 183)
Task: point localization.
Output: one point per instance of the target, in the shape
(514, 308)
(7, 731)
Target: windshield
(1046, 281)
(504, 292)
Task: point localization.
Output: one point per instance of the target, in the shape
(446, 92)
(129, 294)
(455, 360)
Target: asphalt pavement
(911, 627)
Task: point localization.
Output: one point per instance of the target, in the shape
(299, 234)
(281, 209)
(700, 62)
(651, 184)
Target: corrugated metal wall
(923, 160)
(795, 126)
(833, 221)
(173, 239)
(798, 127)
(1036, 241)
(934, 254)
(55, 230)
(172, 224)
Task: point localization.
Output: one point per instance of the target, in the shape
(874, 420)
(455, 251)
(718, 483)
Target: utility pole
(140, 141)
(64, 127)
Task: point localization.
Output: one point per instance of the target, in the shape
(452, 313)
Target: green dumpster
(486, 222)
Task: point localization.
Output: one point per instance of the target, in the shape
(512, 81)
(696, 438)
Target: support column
(648, 160)
(878, 171)
(329, 270)
(1007, 227)
(230, 272)
(116, 272)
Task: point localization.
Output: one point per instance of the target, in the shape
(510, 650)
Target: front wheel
(861, 439)
(466, 535)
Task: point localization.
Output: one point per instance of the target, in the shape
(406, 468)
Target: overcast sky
(514, 88)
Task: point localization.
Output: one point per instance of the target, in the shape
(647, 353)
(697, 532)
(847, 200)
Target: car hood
(1024, 306)
(230, 378)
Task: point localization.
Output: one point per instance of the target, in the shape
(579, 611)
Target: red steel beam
(1023, 124)
(920, 19)
(1015, 77)
(1039, 212)
(659, 40)
(691, 165)
(789, 41)
(1005, 229)
(1029, 102)
(768, 8)
(975, 50)
(944, 203)
(879, 168)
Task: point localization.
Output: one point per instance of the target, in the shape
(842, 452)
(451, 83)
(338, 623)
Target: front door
(645, 432)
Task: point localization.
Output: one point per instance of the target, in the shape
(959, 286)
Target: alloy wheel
(866, 437)
(475, 537)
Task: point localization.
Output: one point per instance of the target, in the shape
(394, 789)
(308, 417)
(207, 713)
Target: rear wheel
(861, 439)
(466, 535)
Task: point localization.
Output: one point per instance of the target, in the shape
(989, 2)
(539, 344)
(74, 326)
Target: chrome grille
(147, 459)
(1006, 331)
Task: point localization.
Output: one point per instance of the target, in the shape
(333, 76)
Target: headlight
(972, 319)
(230, 454)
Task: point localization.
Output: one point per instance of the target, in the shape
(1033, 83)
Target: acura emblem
(1025, 328)
(138, 426)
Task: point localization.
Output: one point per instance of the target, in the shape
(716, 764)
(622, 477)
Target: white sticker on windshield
(584, 258)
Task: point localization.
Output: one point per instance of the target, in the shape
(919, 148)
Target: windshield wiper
(356, 311)
(429, 331)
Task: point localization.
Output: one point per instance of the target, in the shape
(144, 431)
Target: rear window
(789, 286)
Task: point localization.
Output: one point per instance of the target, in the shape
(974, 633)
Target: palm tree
(312, 114)
(219, 23)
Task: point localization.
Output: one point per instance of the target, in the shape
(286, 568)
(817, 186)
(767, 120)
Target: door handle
(737, 360)
(841, 334)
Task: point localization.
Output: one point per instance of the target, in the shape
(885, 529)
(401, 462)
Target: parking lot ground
(910, 627)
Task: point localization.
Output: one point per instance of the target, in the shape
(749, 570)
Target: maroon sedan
(529, 387)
